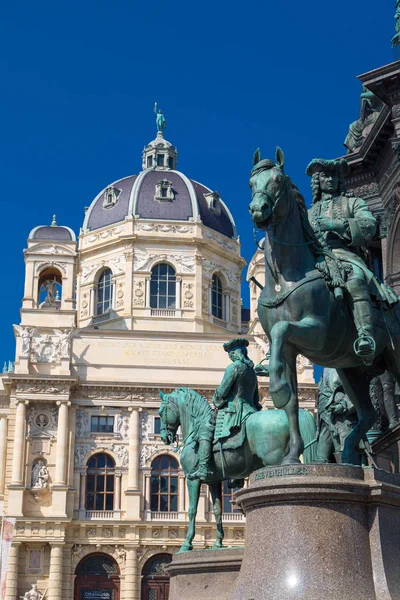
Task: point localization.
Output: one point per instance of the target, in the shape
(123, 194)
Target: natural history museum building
(143, 300)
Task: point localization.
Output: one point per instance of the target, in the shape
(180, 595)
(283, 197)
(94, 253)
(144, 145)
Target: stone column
(117, 496)
(82, 496)
(181, 497)
(147, 495)
(12, 573)
(3, 443)
(133, 465)
(17, 475)
(130, 574)
(178, 293)
(56, 572)
(147, 300)
(62, 444)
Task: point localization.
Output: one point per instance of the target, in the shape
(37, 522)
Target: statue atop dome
(160, 119)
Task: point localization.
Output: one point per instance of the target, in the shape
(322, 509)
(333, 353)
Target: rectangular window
(102, 425)
(149, 161)
(160, 160)
(170, 162)
(164, 192)
(157, 425)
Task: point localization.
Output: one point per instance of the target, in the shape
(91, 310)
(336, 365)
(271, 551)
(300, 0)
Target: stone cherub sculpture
(345, 225)
(336, 417)
(33, 594)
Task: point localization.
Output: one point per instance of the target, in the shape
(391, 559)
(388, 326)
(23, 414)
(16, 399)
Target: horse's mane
(198, 405)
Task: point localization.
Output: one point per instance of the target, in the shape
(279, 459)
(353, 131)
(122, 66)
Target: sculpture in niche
(40, 475)
(371, 106)
(33, 594)
(50, 287)
(82, 423)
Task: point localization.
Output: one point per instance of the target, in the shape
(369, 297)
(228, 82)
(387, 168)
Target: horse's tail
(308, 431)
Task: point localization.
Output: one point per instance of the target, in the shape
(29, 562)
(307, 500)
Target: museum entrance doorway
(155, 581)
(97, 578)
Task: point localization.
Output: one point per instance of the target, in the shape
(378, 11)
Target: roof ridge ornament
(160, 120)
(54, 222)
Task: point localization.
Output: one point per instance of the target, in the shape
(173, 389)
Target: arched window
(227, 497)
(164, 484)
(217, 298)
(104, 293)
(100, 482)
(163, 287)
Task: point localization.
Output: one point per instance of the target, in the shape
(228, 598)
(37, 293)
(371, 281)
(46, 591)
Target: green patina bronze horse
(300, 313)
(266, 442)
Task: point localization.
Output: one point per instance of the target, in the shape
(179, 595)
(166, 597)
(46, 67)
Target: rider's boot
(204, 453)
(364, 346)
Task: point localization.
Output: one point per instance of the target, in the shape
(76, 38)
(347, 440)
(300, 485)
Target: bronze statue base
(319, 532)
(204, 574)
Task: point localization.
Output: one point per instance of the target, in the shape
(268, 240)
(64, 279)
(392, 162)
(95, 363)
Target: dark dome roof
(52, 233)
(135, 195)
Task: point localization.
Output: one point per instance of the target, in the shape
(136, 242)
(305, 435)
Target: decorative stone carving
(97, 394)
(44, 350)
(210, 266)
(91, 532)
(76, 532)
(239, 534)
(20, 530)
(147, 227)
(26, 334)
(117, 264)
(219, 240)
(173, 534)
(33, 594)
(81, 452)
(122, 453)
(82, 423)
(120, 294)
(146, 452)
(27, 388)
(107, 532)
(42, 420)
(103, 235)
(389, 211)
(145, 427)
(122, 532)
(51, 263)
(138, 293)
(142, 261)
(122, 425)
(64, 342)
(85, 305)
(88, 271)
(156, 533)
(50, 250)
(77, 550)
(366, 190)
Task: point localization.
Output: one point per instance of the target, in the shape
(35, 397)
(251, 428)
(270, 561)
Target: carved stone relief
(122, 425)
(188, 295)
(82, 423)
(142, 261)
(164, 228)
(210, 266)
(138, 293)
(103, 235)
(42, 421)
(122, 453)
(145, 427)
(146, 452)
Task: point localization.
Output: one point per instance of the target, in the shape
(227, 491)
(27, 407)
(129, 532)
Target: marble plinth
(204, 574)
(320, 532)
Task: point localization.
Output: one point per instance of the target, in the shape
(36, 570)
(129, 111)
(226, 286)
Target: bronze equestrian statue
(316, 300)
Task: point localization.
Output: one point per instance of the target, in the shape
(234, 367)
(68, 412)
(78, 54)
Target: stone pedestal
(204, 574)
(319, 532)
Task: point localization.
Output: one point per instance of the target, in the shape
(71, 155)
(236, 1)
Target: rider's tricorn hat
(340, 166)
(235, 344)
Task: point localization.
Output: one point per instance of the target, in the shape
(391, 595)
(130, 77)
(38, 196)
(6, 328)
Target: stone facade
(76, 366)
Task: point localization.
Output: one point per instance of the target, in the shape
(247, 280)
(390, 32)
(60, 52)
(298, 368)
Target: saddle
(233, 442)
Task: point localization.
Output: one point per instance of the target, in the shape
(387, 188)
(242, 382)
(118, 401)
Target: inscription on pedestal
(280, 472)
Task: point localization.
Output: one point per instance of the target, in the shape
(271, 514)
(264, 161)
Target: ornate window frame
(213, 202)
(110, 197)
(164, 191)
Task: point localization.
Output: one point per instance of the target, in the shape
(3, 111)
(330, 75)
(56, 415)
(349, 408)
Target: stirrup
(369, 346)
(262, 370)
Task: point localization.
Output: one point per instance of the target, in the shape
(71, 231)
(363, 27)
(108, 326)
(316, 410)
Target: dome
(159, 195)
(53, 233)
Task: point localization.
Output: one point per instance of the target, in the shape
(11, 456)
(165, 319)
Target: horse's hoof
(186, 547)
(291, 460)
(217, 546)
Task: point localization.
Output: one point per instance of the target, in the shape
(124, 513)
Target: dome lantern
(159, 154)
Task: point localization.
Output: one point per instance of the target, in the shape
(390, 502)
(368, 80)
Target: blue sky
(80, 80)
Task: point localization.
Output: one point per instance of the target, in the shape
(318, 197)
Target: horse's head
(169, 417)
(268, 183)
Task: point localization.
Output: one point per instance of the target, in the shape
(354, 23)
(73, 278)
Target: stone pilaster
(3, 443)
(56, 572)
(130, 585)
(62, 444)
(17, 476)
(12, 573)
(67, 571)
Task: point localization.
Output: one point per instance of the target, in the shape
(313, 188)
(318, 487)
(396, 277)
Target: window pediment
(213, 201)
